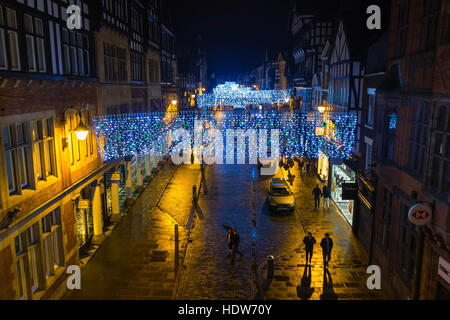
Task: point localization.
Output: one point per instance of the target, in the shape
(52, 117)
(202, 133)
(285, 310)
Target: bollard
(205, 187)
(177, 249)
(270, 267)
(194, 193)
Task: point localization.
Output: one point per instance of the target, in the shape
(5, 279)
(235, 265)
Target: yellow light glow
(321, 109)
(174, 102)
(81, 132)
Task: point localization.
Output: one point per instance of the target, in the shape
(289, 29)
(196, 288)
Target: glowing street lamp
(174, 102)
(321, 109)
(81, 131)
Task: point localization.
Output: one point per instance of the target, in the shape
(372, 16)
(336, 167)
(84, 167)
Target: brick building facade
(411, 151)
(57, 195)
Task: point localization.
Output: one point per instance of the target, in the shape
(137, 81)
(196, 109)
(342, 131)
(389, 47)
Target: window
(408, 237)
(52, 242)
(368, 155)
(34, 35)
(137, 45)
(28, 264)
(16, 151)
(419, 139)
(115, 63)
(9, 42)
(76, 53)
(403, 18)
(371, 110)
(43, 149)
(430, 23)
(439, 175)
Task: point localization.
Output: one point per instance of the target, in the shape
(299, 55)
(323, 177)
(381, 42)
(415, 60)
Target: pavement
(237, 195)
(137, 261)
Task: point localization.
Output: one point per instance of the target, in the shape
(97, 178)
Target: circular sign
(419, 214)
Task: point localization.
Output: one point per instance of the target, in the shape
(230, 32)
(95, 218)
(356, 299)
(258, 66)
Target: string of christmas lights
(231, 94)
(301, 134)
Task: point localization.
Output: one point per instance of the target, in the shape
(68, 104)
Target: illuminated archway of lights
(231, 94)
(301, 134)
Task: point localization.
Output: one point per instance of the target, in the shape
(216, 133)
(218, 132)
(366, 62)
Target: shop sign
(349, 191)
(115, 177)
(419, 214)
(83, 204)
(444, 269)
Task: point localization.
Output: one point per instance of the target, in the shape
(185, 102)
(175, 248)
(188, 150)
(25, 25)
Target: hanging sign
(419, 214)
(444, 269)
(115, 177)
(83, 204)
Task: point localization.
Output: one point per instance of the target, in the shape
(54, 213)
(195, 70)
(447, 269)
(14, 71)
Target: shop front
(323, 167)
(84, 218)
(341, 174)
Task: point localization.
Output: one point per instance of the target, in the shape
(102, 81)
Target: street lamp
(321, 109)
(174, 102)
(81, 130)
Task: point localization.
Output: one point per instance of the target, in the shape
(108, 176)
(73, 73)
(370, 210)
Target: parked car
(280, 196)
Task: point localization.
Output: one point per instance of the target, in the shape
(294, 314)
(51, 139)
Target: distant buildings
(271, 75)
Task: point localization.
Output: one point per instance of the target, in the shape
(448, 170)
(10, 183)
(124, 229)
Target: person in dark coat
(327, 246)
(309, 242)
(229, 238)
(326, 197)
(317, 194)
(235, 240)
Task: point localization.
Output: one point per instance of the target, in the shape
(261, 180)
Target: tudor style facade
(57, 195)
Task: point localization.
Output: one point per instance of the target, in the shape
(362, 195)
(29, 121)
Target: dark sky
(235, 33)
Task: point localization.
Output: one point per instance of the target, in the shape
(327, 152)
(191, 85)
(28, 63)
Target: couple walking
(326, 244)
(233, 240)
(325, 193)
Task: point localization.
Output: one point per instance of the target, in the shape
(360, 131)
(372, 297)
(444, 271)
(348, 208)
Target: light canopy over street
(224, 158)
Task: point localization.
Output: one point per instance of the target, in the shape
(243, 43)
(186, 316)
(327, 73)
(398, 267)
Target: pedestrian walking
(326, 197)
(309, 242)
(229, 238)
(235, 240)
(301, 165)
(327, 246)
(317, 194)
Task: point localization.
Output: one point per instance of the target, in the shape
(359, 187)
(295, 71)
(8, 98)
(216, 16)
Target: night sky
(235, 34)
